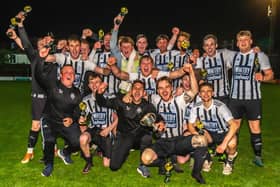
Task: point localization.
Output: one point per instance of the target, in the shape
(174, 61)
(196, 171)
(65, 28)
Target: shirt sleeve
(59, 58)
(228, 56)
(264, 61)
(193, 115)
(89, 65)
(199, 63)
(162, 74)
(225, 113)
(133, 76)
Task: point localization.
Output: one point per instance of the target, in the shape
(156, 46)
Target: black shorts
(180, 145)
(38, 105)
(217, 138)
(224, 99)
(251, 109)
(104, 143)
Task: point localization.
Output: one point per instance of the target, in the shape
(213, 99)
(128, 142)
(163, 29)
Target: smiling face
(74, 48)
(206, 93)
(106, 42)
(146, 66)
(84, 49)
(137, 92)
(164, 89)
(142, 44)
(162, 45)
(186, 82)
(67, 76)
(210, 46)
(94, 83)
(244, 43)
(126, 46)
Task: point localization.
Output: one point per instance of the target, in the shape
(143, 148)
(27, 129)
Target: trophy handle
(148, 115)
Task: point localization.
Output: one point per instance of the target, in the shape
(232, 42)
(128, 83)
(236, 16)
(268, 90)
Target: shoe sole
(140, 172)
(227, 173)
(42, 174)
(26, 161)
(62, 158)
(206, 170)
(85, 172)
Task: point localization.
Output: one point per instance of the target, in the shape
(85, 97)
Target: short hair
(65, 65)
(74, 38)
(127, 39)
(244, 33)
(164, 78)
(206, 84)
(208, 36)
(185, 34)
(50, 34)
(92, 75)
(162, 37)
(148, 57)
(85, 41)
(138, 81)
(141, 36)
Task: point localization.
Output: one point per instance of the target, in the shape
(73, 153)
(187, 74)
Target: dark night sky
(221, 17)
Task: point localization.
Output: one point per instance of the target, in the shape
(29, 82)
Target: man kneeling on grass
(157, 153)
(219, 126)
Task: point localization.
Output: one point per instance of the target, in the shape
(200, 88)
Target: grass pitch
(15, 122)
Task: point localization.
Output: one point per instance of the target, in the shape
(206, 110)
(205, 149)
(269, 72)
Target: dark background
(223, 18)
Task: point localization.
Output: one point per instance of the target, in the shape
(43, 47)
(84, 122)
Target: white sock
(30, 150)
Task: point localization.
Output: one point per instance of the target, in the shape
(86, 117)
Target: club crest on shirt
(72, 96)
(138, 110)
(60, 91)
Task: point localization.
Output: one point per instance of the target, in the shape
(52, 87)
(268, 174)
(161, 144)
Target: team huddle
(172, 104)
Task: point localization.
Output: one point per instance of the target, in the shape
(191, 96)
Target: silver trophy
(125, 87)
(149, 120)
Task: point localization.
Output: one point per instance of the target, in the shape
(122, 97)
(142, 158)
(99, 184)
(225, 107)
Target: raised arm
(116, 70)
(114, 40)
(179, 72)
(194, 85)
(172, 41)
(13, 36)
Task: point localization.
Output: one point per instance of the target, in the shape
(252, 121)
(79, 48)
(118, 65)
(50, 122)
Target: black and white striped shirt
(99, 116)
(162, 61)
(79, 66)
(217, 71)
(113, 82)
(150, 83)
(214, 118)
(172, 113)
(189, 107)
(243, 84)
(179, 61)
